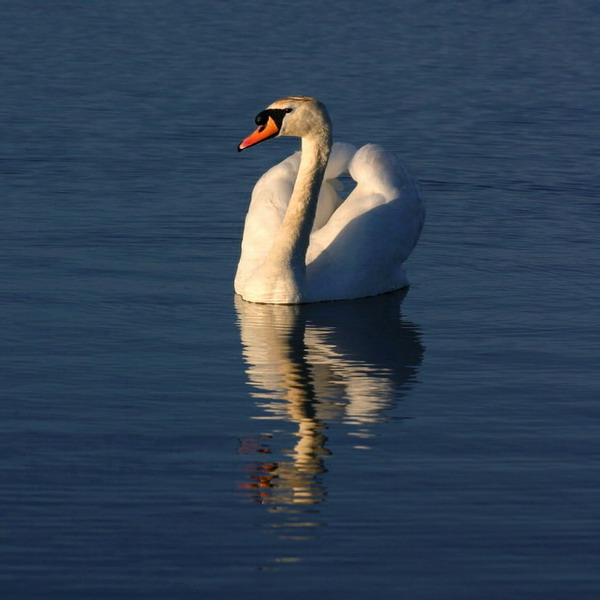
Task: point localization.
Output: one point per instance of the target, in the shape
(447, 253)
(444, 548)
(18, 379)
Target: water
(161, 440)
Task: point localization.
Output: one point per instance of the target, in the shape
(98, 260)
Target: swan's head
(298, 116)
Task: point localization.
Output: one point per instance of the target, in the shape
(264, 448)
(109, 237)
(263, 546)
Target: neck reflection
(312, 366)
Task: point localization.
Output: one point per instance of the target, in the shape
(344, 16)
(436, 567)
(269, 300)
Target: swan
(302, 242)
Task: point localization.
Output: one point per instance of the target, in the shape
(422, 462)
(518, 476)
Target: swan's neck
(290, 245)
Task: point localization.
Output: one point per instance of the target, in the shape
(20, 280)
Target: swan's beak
(264, 132)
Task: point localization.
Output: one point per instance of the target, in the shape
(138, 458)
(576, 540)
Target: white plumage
(302, 242)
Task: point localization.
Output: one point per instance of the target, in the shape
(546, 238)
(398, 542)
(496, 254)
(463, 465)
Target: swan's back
(362, 248)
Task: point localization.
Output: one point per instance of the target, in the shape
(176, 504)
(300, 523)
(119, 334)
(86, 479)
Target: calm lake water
(160, 439)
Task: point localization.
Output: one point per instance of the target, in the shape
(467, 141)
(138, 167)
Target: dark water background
(159, 440)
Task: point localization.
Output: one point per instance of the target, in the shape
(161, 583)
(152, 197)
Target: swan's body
(302, 242)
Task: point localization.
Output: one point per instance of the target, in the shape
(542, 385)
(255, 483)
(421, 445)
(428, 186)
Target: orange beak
(264, 132)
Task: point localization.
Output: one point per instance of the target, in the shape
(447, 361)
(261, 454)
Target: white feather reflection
(313, 365)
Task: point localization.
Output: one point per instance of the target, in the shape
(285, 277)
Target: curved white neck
(290, 245)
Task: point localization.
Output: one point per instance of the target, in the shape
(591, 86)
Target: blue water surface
(161, 439)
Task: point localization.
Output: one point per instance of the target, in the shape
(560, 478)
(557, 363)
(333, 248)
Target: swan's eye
(289, 110)
(262, 118)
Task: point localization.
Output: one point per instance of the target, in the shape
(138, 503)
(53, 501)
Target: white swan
(302, 242)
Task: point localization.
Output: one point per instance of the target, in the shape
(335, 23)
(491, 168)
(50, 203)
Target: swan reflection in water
(314, 365)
